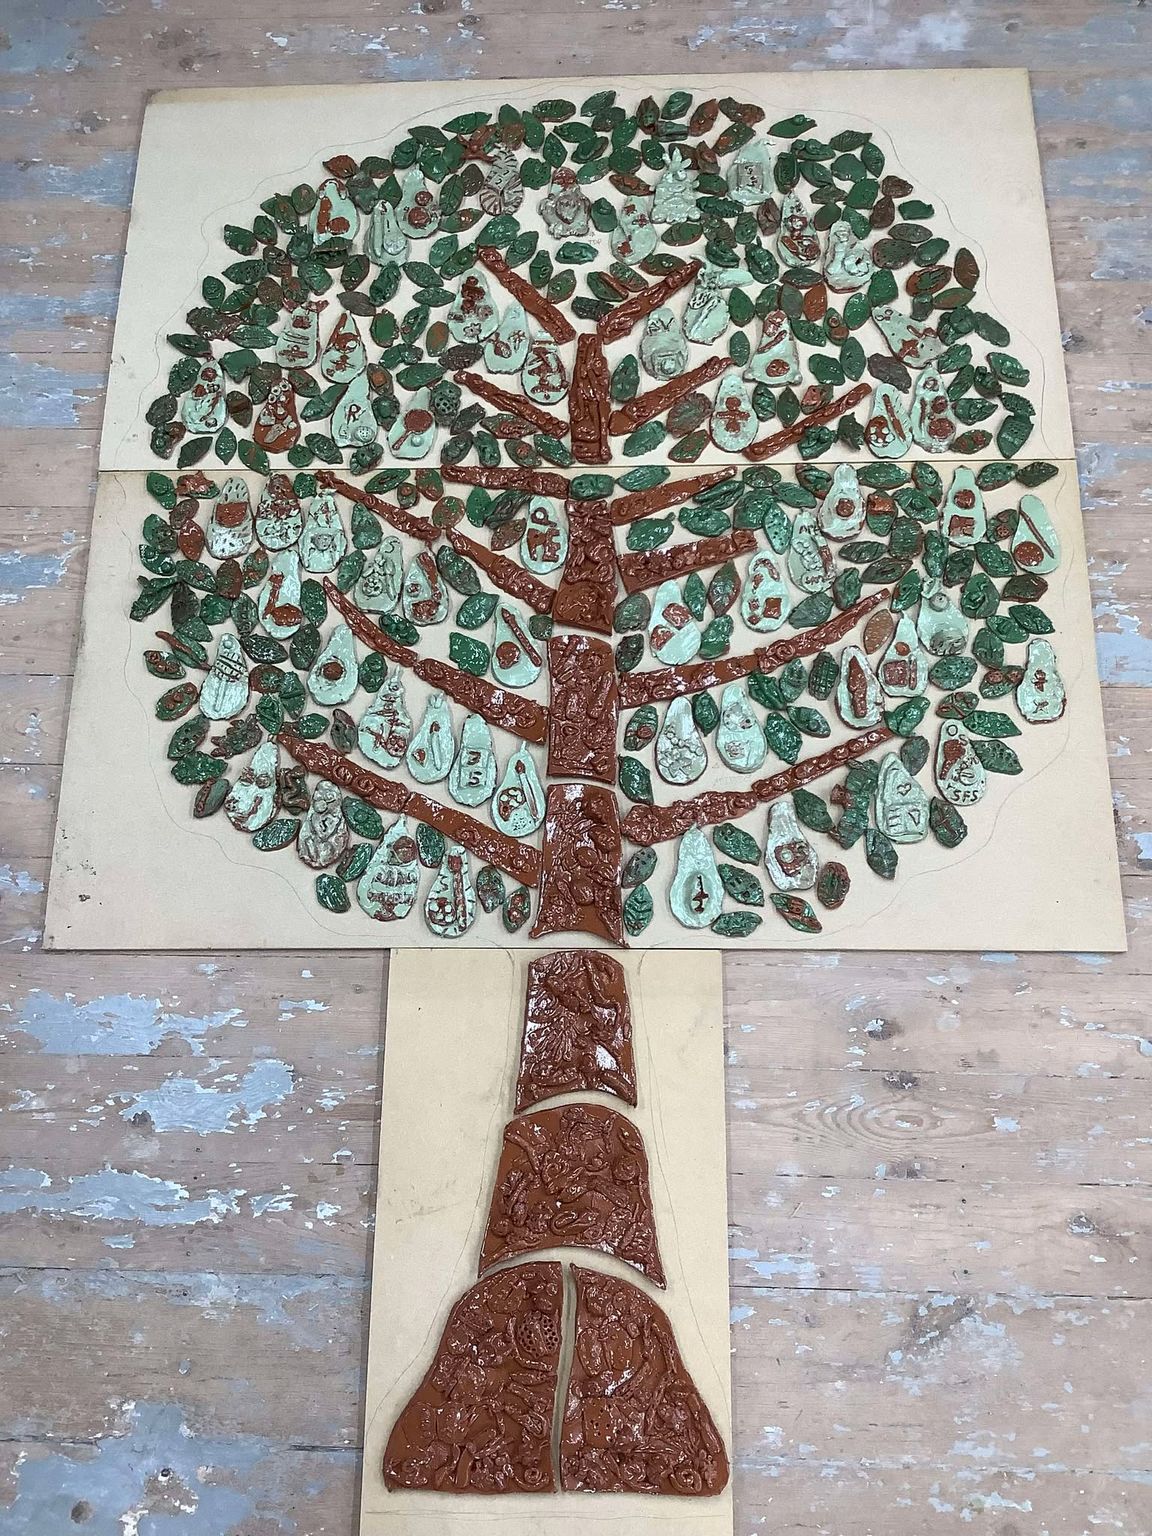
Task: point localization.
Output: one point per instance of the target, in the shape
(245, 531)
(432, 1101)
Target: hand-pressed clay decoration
(631, 1418)
(577, 1029)
(443, 647)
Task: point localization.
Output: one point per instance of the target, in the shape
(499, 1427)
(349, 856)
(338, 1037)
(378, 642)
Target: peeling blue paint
(121, 1025)
(290, 1007)
(1107, 35)
(21, 573)
(1123, 654)
(1123, 249)
(273, 1202)
(106, 181)
(879, 34)
(47, 35)
(34, 788)
(428, 62)
(186, 1104)
(870, 1278)
(277, 1300)
(435, 64)
(38, 394)
(1118, 176)
(764, 31)
(790, 1265)
(112, 1195)
(36, 312)
(1103, 100)
(153, 1475)
(18, 882)
(31, 253)
(1100, 463)
(875, 39)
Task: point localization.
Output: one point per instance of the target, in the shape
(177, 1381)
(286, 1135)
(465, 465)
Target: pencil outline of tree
(474, 140)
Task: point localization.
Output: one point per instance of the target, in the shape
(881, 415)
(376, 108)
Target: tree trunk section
(589, 403)
(583, 709)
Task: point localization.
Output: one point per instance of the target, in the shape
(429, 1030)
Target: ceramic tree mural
(584, 511)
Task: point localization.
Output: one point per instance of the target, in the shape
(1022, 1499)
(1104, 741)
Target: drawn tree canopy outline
(435, 369)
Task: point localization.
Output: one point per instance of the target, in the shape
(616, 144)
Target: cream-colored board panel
(964, 138)
(133, 870)
(451, 1053)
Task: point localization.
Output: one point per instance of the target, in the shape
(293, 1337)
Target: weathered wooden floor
(941, 1165)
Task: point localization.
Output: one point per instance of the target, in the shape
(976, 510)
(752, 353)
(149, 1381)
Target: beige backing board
(1038, 870)
(954, 133)
(131, 866)
(450, 1062)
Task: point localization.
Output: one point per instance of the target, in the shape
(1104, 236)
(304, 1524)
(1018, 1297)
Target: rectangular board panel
(1037, 870)
(450, 1062)
(966, 137)
(705, 418)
